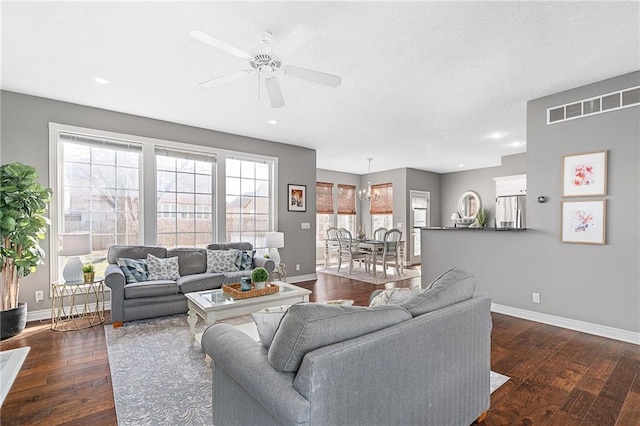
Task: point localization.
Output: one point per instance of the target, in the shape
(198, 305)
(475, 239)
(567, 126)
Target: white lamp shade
(274, 240)
(75, 244)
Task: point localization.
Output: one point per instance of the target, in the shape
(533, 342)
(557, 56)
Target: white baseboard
(571, 324)
(301, 278)
(44, 314)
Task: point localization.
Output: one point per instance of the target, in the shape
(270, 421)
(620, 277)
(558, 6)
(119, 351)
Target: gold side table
(77, 305)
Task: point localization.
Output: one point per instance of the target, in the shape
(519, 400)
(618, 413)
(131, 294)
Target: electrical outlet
(535, 297)
(39, 295)
(297, 266)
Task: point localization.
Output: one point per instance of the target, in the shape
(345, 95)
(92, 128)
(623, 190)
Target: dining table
(375, 246)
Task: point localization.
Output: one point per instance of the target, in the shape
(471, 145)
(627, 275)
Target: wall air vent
(586, 107)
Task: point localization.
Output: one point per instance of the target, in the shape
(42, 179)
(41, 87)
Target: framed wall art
(584, 174)
(297, 198)
(583, 222)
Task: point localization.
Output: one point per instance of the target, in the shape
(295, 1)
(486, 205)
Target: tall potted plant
(23, 202)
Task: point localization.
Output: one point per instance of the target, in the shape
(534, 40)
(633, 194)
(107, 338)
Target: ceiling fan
(268, 62)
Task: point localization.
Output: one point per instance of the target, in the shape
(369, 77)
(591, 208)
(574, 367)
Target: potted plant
(259, 276)
(23, 202)
(482, 216)
(89, 272)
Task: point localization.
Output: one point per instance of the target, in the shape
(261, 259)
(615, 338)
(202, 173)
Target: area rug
(159, 375)
(360, 274)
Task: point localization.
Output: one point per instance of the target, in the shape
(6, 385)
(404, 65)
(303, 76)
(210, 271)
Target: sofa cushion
(190, 260)
(134, 270)
(150, 289)
(454, 286)
(134, 252)
(200, 282)
(163, 269)
(238, 245)
(309, 326)
(244, 261)
(221, 260)
(393, 296)
(267, 321)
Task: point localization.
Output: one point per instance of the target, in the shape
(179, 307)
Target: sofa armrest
(245, 360)
(114, 279)
(266, 263)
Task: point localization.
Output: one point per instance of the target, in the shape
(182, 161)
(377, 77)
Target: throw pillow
(163, 269)
(454, 286)
(393, 296)
(222, 260)
(267, 322)
(134, 270)
(244, 261)
(308, 326)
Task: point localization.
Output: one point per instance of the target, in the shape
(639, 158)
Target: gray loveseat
(425, 361)
(155, 298)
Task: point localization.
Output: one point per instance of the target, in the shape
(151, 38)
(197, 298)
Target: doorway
(420, 216)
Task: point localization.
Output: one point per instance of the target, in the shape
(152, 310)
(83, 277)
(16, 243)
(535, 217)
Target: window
(184, 187)
(249, 204)
(99, 192)
(324, 210)
(347, 207)
(382, 206)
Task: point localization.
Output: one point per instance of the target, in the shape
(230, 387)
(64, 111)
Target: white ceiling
(423, 83)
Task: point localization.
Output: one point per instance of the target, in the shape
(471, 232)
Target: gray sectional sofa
(154, 298)
(424, 361)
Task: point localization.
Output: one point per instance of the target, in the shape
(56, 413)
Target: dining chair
(391, 251)
(331, 244)
(350, 251)
(378, 234)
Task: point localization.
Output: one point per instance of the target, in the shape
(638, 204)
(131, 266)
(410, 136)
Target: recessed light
(274, 122)
(496, 135)
(100, 80)
(517, 144)
(460, 165)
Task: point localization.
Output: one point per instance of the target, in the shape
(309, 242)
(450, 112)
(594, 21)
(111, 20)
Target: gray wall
(591, 283)
(25, 138)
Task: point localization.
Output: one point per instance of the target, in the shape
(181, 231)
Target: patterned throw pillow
(134, 270)
(244, 261)
(222, 260)
(393, 296)
(163, 269)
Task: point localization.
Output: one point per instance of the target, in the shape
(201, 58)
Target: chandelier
(368, 194)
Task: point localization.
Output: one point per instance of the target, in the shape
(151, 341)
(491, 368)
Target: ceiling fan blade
(225, 78)
(206, 38)
(313, 76)
(295, 39)
(274, 92)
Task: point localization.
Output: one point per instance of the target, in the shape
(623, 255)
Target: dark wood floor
(558, 376)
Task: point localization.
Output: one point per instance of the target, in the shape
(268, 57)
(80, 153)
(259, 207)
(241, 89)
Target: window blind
(186, 155)
(100, 142)
(346, 199)
(324, 198)
(384, 202)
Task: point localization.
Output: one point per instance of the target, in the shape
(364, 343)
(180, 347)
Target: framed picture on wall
(297, 198)
(584, 174)
(583, 222)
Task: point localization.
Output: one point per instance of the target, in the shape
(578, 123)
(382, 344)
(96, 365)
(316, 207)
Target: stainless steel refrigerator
(511, 211)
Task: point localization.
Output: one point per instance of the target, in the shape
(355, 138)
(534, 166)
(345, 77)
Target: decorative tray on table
(234, 291)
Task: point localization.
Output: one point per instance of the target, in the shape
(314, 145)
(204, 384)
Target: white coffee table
(212, 305)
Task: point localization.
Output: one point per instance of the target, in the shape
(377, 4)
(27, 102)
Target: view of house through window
(185, 199)
(249, 204)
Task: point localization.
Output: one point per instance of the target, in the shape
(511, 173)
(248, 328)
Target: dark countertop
(451, 228)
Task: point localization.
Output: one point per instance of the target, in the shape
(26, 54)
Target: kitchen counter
(451, 228)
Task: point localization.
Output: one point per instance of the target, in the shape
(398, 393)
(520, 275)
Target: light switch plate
(306, 225)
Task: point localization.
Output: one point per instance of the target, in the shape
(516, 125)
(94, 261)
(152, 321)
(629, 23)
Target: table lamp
(74, 245)
(274, 241)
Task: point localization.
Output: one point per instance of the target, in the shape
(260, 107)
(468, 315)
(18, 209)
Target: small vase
(245, 284)
(260, 285)
(88, 277)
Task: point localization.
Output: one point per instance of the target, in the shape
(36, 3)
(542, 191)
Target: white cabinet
(511, 185)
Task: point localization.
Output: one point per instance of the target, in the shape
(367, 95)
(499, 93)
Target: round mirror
(468, 205)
